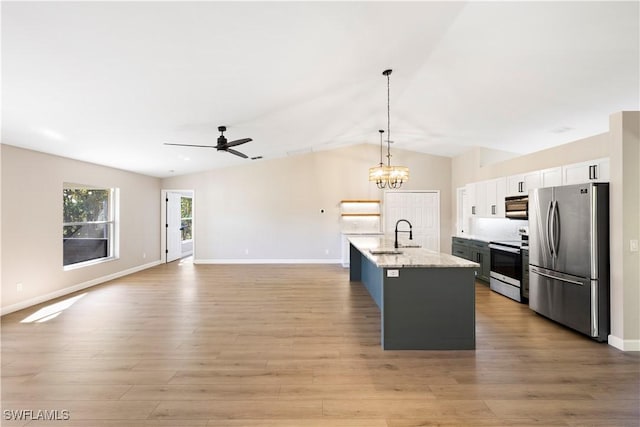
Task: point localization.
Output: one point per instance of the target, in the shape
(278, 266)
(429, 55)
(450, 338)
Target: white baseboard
(267, 261)
(624, 345)
(80, 286)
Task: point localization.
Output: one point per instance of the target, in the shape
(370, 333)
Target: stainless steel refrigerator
(569, 256)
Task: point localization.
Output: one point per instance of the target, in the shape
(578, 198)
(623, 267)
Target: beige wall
(621, 145)
(625, 225)
(272, 208)
(31, 242)
(472, 166)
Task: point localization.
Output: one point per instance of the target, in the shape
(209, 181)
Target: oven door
(506, 264)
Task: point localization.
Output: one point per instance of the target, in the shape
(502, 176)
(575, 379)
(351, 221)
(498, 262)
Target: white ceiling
(110, 82)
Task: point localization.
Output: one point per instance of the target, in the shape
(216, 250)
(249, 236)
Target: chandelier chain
(388, 119)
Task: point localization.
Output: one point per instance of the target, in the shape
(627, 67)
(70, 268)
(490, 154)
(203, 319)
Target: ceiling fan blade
(237, 153)
(238, 142)
(190, 145)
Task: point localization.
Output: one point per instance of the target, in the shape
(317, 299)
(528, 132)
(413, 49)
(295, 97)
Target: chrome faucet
(395, 244)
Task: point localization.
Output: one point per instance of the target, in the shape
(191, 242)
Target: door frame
(462, 222)
(163, 220)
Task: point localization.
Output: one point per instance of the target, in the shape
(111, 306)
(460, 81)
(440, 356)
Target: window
(88, 227)
(186, 217)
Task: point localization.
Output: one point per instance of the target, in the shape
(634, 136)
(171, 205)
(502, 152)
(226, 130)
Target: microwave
(516, 207)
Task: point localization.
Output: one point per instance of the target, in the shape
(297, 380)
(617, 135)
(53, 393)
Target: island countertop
(408, 257)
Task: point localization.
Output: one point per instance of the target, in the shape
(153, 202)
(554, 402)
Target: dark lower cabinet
(473, 250)
(525, 273)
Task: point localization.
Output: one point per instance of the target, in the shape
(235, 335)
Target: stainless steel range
(506, 269)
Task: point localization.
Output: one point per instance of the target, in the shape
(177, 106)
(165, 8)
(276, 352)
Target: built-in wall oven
(505, 276)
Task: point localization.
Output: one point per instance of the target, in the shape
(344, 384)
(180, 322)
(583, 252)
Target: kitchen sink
(409, 246)
(385, 251)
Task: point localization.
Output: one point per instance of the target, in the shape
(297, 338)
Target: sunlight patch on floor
(51, 311)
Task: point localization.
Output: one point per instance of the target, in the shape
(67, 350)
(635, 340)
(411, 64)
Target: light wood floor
(213, 345)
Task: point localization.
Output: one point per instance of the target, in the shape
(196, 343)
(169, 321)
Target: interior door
(174, 234)
(421, 209)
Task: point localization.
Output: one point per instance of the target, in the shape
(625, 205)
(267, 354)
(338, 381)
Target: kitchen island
(426, 298)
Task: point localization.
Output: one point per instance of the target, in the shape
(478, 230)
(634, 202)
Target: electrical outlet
(633, 245)
(246, 251)
(326, 251)
(393, 273)
(19, 287)
(144, 255)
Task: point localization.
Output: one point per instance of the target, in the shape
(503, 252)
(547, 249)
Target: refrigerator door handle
(562, 279)
(548, 224)
(556, 228)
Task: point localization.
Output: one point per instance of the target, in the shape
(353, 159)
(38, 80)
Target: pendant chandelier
(388, 176)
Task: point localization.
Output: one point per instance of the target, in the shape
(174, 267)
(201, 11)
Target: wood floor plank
(297, 345)
(234, 409)
(406, 408)
(202, 392)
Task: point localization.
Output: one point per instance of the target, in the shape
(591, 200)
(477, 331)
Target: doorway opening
(177, 222)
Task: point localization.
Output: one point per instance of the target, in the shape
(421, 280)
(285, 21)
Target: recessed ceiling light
(52, 134)
(562, 129)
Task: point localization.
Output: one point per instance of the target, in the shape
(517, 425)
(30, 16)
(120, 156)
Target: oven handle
(502, 248)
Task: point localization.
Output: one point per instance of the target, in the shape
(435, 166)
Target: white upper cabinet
(486, 198)
(495, 193)
(472, 209)
(519, 185)
(551, 177)
(579, 173)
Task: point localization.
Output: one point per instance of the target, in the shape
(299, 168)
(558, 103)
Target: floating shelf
(360, 214)
(359, 201)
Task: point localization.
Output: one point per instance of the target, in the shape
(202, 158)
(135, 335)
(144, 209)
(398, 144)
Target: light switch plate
(633, 245)
(393, 273)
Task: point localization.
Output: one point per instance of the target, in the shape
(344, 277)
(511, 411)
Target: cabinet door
(491, 196)
(520, 185)
(494, 200)
(551, 177)
(532, 180)
(601, 171)
(516, 185)
(485, 265)
(580, 173)
(461, 251)
(501, 191)
(576, 173)
(470, 190)
(481, 199)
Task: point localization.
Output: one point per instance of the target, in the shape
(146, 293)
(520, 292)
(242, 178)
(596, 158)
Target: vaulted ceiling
(110, 82)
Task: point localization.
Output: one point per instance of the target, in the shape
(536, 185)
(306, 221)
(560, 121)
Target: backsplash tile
(498, 228)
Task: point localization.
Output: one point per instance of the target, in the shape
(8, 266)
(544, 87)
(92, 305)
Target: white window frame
(113, 221)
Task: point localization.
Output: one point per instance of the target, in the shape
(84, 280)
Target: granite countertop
(363, 233)
(409, 257)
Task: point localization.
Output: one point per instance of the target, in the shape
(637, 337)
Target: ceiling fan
(223, 144)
